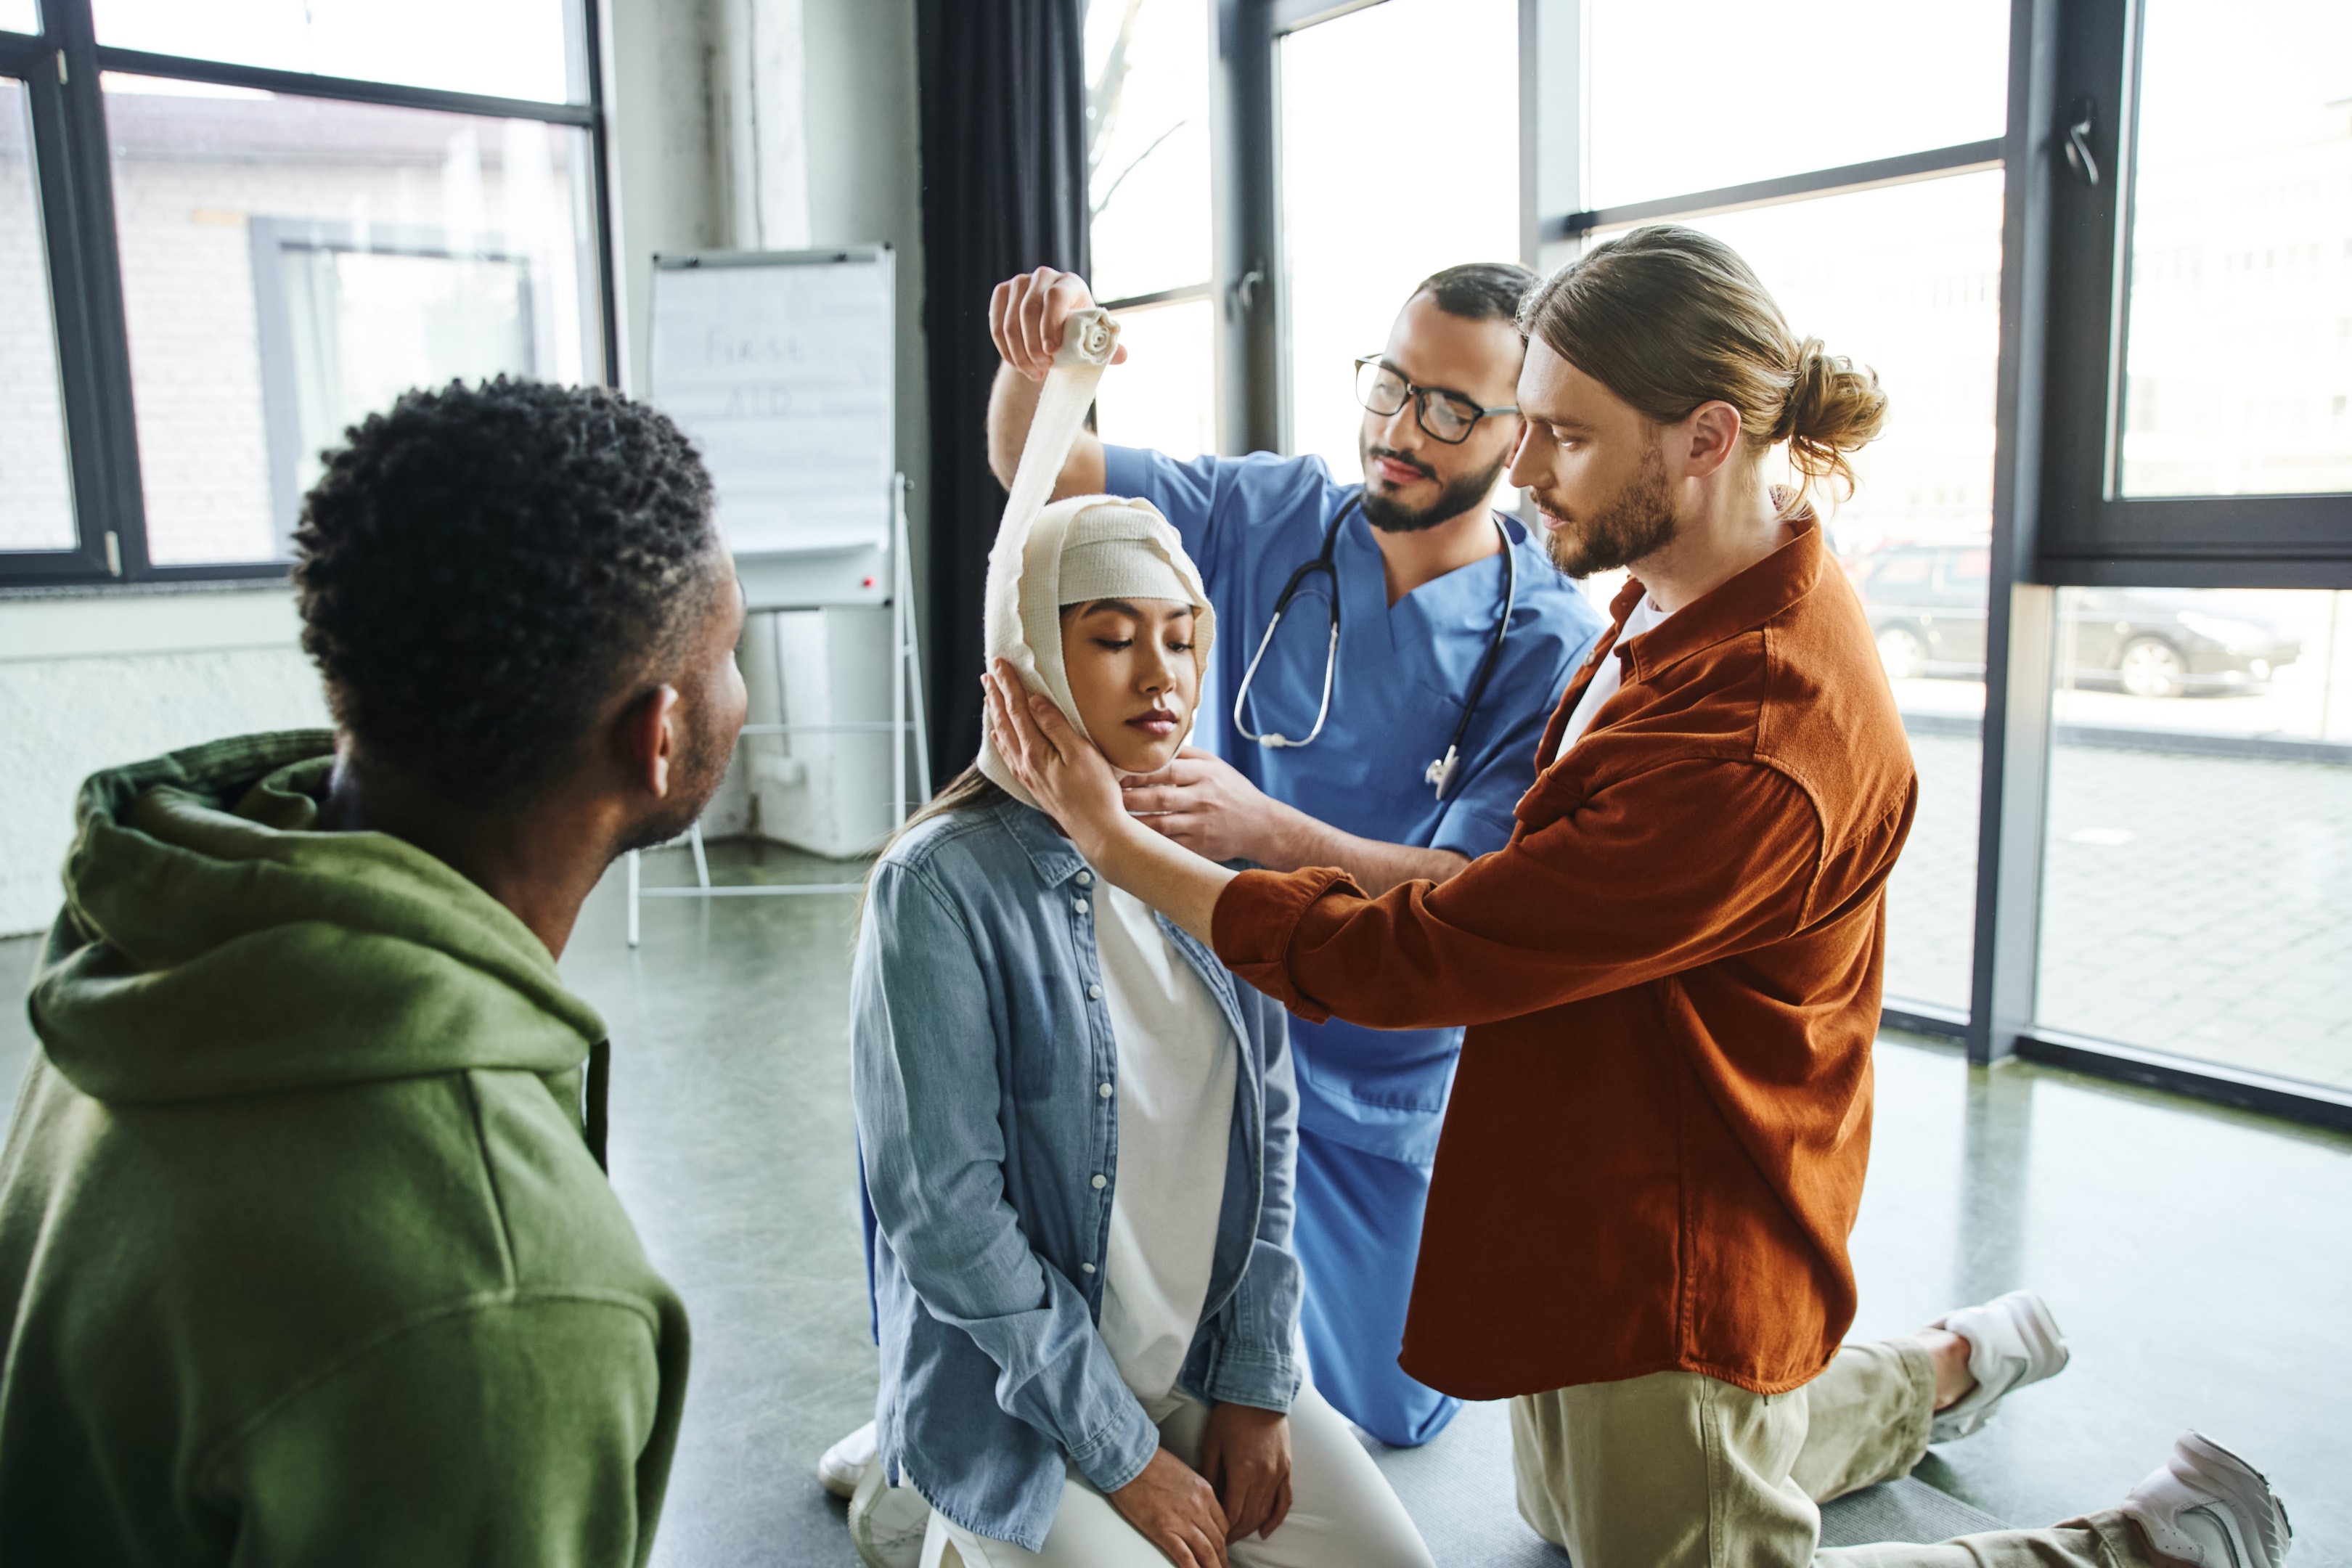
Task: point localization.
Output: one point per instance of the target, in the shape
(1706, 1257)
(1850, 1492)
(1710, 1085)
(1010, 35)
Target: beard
(694, 777)
(1392, 516)
(1638, 520)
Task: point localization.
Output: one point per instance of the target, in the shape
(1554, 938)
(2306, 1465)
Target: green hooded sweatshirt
(303, 1255)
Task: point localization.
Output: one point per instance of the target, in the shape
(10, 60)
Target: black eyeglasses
(1446, 417)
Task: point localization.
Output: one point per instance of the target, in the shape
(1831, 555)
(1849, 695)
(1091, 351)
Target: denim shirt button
(1080, 905)
(1085, 879)
(1094, 992)
(1101, 1182)
(1103, 1089)
(1085, 1268)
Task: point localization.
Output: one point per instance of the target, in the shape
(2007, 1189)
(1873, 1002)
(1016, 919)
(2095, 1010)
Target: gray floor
(2198, 1258)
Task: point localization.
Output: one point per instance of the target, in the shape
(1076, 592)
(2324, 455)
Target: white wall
(669, 193)
(93, 683)
(856, 162)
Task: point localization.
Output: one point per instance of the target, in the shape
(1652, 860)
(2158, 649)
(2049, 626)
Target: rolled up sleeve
(1689, 862)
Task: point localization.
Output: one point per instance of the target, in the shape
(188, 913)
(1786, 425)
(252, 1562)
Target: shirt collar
(1730, 609)
(1055, 858)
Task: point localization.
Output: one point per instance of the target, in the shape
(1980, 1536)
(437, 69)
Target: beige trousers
(1680, 1470)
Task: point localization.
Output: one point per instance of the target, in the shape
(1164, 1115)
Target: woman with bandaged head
(1077, 1132)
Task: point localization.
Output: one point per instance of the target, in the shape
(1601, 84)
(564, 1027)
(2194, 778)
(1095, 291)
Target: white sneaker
(845, 1461)
(2208, 1506)
(886, 1522)
(2012, 1341)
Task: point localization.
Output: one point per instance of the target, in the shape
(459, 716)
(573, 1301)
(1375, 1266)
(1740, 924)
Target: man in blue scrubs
(1420, 576)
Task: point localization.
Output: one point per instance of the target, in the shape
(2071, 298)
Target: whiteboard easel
(780, 365)
(905, 727)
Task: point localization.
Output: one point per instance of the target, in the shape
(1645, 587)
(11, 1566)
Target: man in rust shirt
(1655, 1146)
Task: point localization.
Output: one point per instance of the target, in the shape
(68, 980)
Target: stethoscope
(1439, 773)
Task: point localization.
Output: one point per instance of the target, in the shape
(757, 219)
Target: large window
(1724, 92)
(1149, 184)
(504, 49)
(1382, 186)
(301, 212)
(290, 264)
(2104, 269)
(2196, 894)
(1904, 277)
(2191, 923)
(2238, 356)
(1907, 280)
(2201, 373)
(36, 490)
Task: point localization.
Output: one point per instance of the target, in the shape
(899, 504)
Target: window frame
(76, 279)
(2092, 534)
(61, 68)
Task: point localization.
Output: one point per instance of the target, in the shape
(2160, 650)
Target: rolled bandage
(1088, 338)
(1077, 549)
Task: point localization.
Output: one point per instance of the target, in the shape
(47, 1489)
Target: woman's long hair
(970, 790)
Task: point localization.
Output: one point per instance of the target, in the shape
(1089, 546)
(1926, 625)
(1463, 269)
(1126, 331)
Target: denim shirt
(986, 1080)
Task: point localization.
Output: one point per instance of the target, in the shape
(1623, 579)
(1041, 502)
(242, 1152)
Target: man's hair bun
(1834, 406)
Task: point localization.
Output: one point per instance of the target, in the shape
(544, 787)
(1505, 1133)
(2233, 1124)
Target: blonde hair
(1668, 319)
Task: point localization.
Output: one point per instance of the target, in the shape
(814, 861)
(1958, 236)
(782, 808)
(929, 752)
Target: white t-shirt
(1610, 675)
(1177, 1063)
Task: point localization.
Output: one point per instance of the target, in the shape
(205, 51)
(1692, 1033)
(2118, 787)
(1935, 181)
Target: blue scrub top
(1403, 673)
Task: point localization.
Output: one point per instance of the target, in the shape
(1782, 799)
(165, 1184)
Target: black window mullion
(60, 80)
(104, 427)
(307, 84)
(37, 70)
(20, 55)
(1243, 153)
(590, 20)
(1929, 163)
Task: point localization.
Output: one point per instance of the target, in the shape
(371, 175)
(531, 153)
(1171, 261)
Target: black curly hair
(483, 567)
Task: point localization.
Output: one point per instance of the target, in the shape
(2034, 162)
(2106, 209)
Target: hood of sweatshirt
(214, 942)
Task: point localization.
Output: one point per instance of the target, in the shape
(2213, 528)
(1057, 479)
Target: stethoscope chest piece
(1440, 774)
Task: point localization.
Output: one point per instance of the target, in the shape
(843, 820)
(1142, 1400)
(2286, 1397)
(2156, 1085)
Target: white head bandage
(1107, 552)
(1074, 551)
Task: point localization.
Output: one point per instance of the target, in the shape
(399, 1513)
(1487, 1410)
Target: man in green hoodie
(305, 1250)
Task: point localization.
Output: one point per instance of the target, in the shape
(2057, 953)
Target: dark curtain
(1004, 190)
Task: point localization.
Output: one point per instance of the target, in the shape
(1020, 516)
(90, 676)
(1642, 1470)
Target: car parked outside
(1927, 607)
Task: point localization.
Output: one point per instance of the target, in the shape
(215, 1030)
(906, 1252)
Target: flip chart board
(778, 366)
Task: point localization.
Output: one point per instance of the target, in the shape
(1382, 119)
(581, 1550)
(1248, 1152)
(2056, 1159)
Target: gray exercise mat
(1458, 1489)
